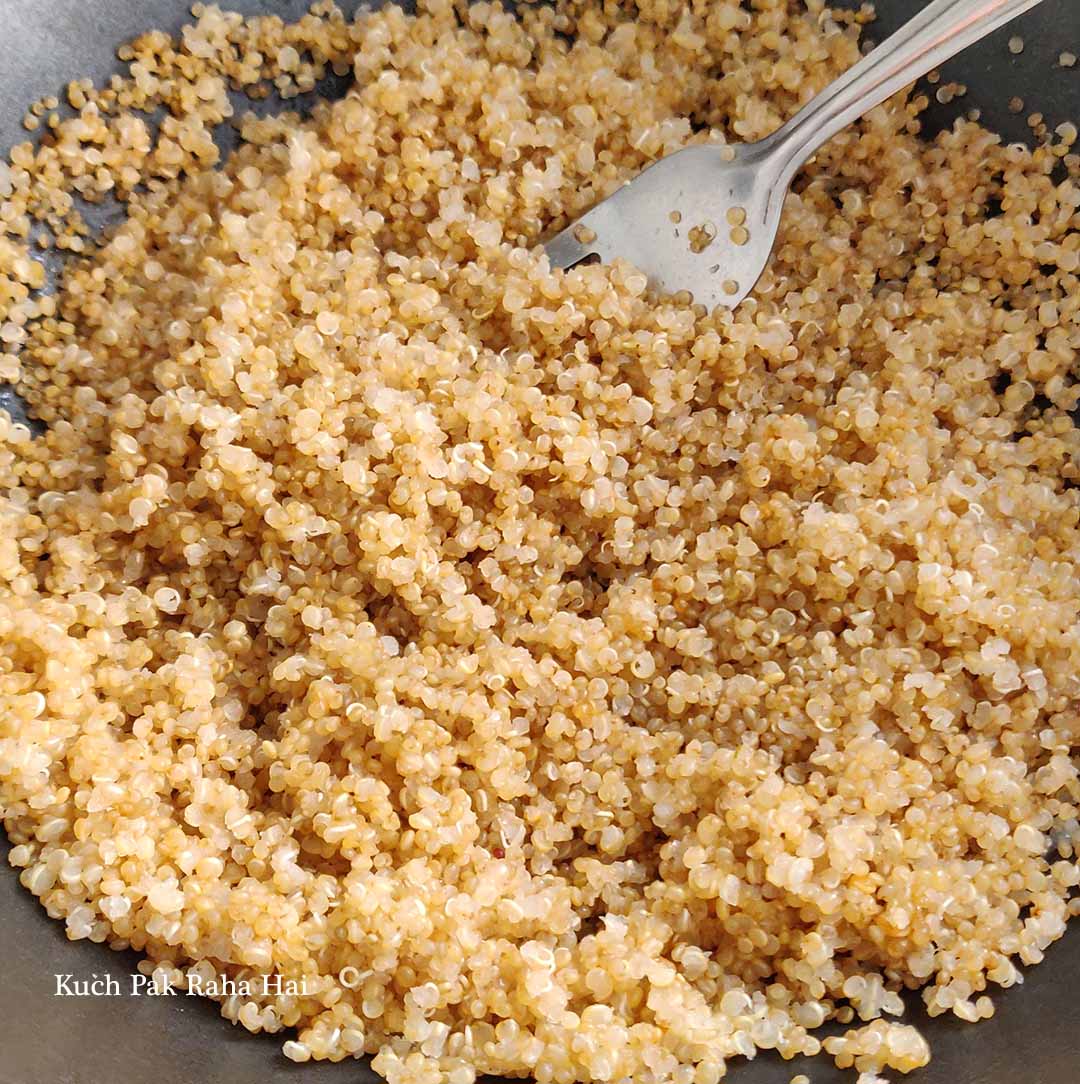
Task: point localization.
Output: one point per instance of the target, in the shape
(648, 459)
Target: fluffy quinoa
(607, 688)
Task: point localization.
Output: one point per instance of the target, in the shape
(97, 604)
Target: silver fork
(704, 219)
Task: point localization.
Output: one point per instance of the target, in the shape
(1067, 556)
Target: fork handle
(940, 31)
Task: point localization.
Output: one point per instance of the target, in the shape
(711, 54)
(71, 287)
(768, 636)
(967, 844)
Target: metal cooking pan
(51, 1039)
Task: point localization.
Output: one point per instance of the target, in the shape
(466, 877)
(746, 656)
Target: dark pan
(46, 1039)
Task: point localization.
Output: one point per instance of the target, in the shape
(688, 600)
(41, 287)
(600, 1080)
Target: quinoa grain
(556, 679)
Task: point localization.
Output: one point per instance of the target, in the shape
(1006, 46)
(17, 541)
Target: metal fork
(705, 218)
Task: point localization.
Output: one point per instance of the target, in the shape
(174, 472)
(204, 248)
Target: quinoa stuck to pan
(608, 688)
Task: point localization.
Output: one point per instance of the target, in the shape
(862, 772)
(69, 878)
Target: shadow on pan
(50, 1039)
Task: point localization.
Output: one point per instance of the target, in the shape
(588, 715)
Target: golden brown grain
(558, 679)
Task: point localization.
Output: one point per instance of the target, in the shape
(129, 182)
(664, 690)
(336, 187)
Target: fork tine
(565, 250)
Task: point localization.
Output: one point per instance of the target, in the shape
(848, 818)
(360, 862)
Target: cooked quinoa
(557, 679)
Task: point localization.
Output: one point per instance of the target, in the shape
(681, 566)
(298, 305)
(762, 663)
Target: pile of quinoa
(555, 679)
